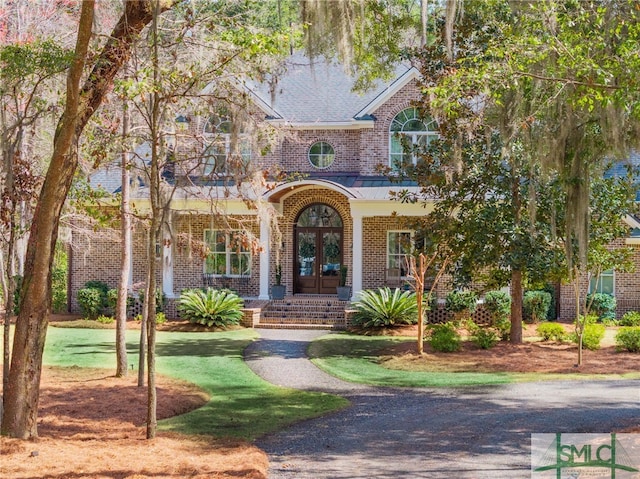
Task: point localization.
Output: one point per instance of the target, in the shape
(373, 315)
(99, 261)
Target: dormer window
(227, 151)
(409, 133)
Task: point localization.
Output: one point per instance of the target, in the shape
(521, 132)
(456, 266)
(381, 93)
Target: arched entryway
(318, 246)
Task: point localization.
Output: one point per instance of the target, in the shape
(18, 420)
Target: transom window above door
(319, 216)
(321, 155)
(409, 133)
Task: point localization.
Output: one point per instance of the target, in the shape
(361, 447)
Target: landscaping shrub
(536, 305)
(90, 301)
(103, 288)
(161, 318)
(59, 281)
(628, 338)
(551, 331)
(105, 319)
(385, 308)
(461, 303)
(498, 303)
(485, 338)
(212, 307)
(99, 285)
(630, 318)
(112, 299)
(444, 337)
(593, 334)
(602, 305)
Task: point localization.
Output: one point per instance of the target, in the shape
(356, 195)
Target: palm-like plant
(211, 307)
(385, 307)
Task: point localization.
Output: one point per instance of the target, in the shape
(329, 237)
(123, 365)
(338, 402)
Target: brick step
(298, 320)
(281, 325)
(268, 313)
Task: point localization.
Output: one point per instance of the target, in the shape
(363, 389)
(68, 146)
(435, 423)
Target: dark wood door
(318, 259)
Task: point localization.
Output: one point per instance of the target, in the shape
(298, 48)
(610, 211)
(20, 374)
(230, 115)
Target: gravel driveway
(478, 432)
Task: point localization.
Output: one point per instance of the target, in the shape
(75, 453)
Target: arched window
(227, 152)
(320, 216)
(407, 133)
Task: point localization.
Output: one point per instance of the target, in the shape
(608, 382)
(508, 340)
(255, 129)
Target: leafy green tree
(519, 75)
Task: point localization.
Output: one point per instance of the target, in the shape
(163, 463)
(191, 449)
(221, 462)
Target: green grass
(357, 359)
(241, 405)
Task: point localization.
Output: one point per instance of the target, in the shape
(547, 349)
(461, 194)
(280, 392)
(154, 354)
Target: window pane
(603, 283)
(414, 125)
(216, 263)
(320, 216)
(321, 154)
(408, 129)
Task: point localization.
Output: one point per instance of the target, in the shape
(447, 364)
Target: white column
(167, 261)
(356, 269)
(265, 234)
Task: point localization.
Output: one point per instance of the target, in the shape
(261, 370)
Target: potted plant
(344, 291)
(278, 290)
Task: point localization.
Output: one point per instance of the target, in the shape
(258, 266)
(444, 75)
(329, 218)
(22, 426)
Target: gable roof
(315, 93)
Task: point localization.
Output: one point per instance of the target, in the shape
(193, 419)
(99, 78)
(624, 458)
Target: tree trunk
(21, 401)
(515, 335)
(8, 290)
(142, 345)
(150, 320)
(579, 326)
(20, 414)
(420, 271)
(125, 258)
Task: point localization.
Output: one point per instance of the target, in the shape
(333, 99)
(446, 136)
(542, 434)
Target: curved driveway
(474, 432)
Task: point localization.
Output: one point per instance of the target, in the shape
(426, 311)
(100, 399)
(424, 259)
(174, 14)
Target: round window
(321, 154)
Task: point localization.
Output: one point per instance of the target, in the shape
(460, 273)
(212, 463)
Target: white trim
(372, 208)
(296, 186)
(244, 88)
(397, 85)
(167, 264)
(265, 254)
(631, 221)
(357, 256)
(353, 124)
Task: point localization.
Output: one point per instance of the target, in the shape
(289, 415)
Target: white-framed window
(229, 254)
(603, 283)
(321, 155)
(409, 132)
(226, 152)
(399, 244)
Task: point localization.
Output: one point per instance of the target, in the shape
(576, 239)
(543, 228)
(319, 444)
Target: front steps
(304, 312)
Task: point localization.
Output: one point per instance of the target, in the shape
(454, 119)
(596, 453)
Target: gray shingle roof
(317, 91)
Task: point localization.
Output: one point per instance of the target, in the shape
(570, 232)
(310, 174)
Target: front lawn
(241, 405)
(391, 361)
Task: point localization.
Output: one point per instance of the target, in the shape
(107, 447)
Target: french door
(318, 250)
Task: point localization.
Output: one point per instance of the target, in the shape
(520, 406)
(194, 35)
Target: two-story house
(336, 212)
